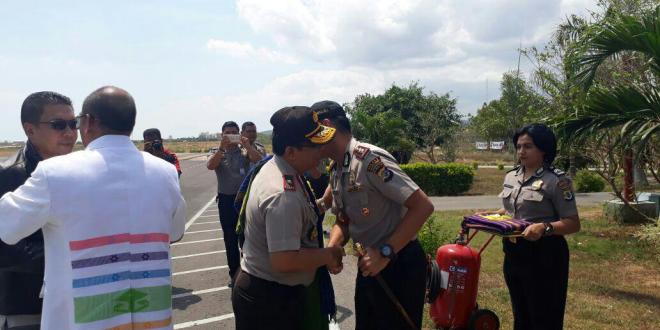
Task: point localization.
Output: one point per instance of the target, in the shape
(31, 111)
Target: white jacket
(108, 214)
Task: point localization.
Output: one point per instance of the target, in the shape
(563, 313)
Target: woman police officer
(536, 267)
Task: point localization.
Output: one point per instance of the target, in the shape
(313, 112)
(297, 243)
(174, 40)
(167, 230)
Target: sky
(192, 65)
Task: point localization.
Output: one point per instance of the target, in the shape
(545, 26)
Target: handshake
(335, 257)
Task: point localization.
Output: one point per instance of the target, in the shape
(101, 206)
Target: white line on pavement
(204, 321)
(203, 231)
(194, 293)
(199, 212)
(193, 242)
(209, 216)
(198, 254)
(199, 270)
(202, 223)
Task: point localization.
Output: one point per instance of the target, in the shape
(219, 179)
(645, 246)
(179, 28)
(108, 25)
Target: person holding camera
(153, 144)
(231, 163)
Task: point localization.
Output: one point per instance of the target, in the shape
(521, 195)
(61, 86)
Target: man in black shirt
(50, 126)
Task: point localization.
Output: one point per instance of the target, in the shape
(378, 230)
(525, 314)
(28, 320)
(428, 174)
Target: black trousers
(261, 304)
(536, 274)
(406, 277)
(228, 219)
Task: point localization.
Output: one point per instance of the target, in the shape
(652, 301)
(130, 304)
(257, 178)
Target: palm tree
(635, 107)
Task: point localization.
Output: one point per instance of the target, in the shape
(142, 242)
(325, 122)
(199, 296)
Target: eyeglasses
(61, 124)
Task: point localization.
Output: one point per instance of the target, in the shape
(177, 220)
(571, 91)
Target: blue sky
(192, 65)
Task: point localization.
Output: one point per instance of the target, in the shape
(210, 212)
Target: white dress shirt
(108, 214)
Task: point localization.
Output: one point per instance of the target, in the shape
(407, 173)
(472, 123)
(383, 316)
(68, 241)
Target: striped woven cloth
(495, 223)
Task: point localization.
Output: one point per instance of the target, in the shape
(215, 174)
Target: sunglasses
(61, 124)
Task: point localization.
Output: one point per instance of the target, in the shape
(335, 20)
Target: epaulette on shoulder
(515, 168)
(557, 171)
(360, 152)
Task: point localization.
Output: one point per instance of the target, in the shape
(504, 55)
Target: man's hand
(534, 232)
(337, 256)
(245, 142)
(337, 252)
(372, 263)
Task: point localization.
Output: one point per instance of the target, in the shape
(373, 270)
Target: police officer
(281, 252)
(380, 207)
(231, 164)
(536, 267)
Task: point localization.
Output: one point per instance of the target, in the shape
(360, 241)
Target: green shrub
(587, 181)
(475, 165)
(500, 166)
(432, 236)
(441, 180)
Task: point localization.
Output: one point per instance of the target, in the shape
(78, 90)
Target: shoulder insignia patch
(568, 195)
(360, 152)
(564, 184)
(289, 183)
(387, 175)
(375, 166)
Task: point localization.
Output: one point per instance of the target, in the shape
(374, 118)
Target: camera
(157, 145)
(233, 138)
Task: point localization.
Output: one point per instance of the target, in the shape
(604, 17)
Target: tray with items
(501, 225)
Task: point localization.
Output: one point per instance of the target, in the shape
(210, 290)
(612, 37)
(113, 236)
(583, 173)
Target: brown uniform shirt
(370, 188)
(544, 197)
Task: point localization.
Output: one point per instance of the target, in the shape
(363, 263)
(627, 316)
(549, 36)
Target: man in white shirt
(108, 214)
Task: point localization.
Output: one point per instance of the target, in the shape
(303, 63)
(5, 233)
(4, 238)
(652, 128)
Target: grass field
(614, 279)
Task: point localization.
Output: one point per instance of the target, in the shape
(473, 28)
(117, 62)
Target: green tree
(403, 119)
(630, 99)
(519, 104)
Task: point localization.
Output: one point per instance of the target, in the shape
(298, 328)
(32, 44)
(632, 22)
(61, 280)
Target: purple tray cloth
(497, 225)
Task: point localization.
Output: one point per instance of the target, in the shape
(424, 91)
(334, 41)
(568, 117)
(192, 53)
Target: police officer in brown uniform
(281, 252)
(380, 207)
(536, 267)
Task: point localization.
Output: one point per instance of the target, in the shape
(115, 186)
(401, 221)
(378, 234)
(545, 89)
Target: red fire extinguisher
(453, 287)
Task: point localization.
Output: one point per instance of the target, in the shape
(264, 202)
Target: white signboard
(482, 145)
(497, 145)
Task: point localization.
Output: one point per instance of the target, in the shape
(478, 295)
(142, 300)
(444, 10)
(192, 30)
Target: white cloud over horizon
(192, 66)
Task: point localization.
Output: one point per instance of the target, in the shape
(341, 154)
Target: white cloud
(244, 50)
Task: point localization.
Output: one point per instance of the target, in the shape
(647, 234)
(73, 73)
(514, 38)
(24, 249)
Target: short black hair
(334, 112)
(543, 138)
(113, 107)
(34, 104)
(151, 131)
(246, 124)
(229, 124)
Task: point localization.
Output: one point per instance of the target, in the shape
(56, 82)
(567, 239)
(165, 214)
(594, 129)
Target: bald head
(113, 107)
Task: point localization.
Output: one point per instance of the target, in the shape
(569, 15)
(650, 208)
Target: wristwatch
(387, 251)
(549, 229)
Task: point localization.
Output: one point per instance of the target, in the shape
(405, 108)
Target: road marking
(204, 321)
(199, 213)
(194, 293)
(198, 254)
(203, 231)
(209, 216)
(199, 270)
(202, 241)
(202, 223)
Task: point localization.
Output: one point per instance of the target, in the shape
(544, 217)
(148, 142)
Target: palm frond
(620, 34)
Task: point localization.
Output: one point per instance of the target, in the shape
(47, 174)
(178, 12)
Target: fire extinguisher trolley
(453, 283)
